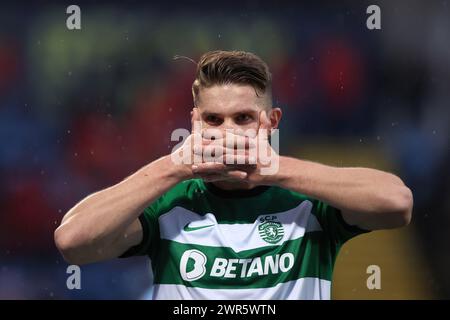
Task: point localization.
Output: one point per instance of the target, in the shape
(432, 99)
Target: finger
(218, 154)
(240, 144)
(216, 168)
(250, 132)
(229, 140)
(231, 159)
(236, 174)
(264, 124)
(212, 134)
(209, 153)
(231, 175)
(208, 167)
(235, 141)
(222, 176)
(196, 121)
(196, 139)
(217, 147)
(216, 151)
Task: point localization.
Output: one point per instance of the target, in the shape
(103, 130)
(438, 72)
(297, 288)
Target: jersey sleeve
(333, 223)
(178, 195)
(150, 232)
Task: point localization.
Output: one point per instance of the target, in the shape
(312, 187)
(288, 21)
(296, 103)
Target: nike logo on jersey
(188, 229)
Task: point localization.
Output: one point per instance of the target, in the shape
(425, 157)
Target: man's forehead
(229, 98)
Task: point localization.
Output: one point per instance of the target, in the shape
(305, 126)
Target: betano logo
(193, 266)
(198, 269)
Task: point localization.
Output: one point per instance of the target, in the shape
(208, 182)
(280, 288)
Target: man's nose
(229, 124)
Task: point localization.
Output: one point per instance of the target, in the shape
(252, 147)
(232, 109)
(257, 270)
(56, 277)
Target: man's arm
(368, 198)
(105, 224)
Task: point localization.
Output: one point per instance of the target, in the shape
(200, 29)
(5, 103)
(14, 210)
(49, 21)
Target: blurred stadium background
(80, 110)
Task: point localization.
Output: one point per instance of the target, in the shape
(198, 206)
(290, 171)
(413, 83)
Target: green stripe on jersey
(194, 196)
(222, 268)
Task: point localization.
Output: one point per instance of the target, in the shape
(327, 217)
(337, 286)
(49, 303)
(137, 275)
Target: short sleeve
(149, 221)
(334, 224)
(181, 194)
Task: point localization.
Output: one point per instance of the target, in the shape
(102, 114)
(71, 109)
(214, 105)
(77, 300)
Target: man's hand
(237, 156)
(202, 151)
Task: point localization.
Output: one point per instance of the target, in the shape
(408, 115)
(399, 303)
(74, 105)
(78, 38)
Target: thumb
(264, 124)
(196, 124)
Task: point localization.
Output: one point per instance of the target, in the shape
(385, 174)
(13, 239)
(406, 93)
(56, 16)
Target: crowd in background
(80, 110)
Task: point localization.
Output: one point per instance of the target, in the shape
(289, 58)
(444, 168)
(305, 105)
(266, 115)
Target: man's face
(230, 106)
(237, 108)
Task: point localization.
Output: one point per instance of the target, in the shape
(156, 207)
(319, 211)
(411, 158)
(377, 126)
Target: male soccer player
(215, 230)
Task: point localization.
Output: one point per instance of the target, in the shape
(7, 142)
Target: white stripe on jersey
(301, 289)
(238, 236)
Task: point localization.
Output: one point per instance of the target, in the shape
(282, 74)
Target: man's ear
(275, 117)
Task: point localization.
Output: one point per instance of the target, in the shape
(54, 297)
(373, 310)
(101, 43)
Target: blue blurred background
(82, 109)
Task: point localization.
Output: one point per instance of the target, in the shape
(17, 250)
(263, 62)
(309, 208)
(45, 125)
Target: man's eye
(243, 118)
(212, 119)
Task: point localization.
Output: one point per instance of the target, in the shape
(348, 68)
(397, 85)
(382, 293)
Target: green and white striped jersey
(264, 243)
